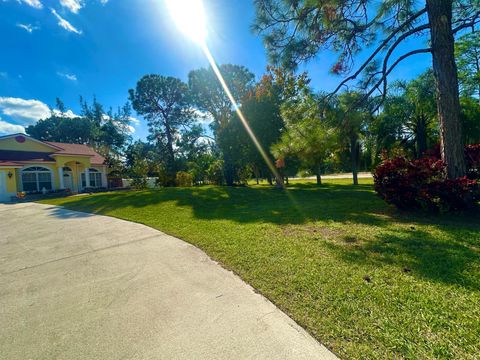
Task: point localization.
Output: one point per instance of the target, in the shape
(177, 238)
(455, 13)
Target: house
(33, 166)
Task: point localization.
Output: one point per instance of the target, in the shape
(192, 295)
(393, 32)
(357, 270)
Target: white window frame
(95, 176)
(37, 180)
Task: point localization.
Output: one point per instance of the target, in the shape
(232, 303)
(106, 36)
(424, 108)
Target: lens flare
(242, 118)
(189, 16)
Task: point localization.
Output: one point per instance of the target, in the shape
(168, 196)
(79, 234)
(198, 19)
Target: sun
(189, 16)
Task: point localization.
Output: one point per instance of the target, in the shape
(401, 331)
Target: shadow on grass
(299, 204)
(399, 239)
(450, 258)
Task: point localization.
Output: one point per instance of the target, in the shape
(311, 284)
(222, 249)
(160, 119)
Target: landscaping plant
(422, 183)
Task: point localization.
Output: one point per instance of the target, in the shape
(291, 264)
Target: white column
(87, 178)
(60, 177)
(104, 177)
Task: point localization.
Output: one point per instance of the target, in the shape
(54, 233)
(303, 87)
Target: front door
(67, 180)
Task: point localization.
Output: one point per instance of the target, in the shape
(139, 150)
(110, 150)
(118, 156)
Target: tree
(467, 52)
(296, 30)
(63, 129)
(106, 132)
(409, 113)
(306, 135)
(471, 120)
(210, 98)
(166, 105)
(350, 122)
(262, 111)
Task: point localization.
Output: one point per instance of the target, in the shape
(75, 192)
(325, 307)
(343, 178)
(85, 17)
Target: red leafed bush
(472, 157)
(422, 183)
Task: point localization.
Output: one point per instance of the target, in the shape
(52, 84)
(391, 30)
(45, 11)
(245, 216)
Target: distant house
(32, 166)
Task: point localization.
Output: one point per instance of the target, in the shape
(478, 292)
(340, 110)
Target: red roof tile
(78, 149)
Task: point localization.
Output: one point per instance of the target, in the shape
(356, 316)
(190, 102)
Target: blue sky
(68, 48)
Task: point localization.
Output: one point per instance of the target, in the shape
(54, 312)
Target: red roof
(10, 157)
(77, 149)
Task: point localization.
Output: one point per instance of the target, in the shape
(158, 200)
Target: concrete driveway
(80, 286)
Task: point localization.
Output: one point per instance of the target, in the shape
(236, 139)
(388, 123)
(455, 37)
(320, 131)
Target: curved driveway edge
(82, 286)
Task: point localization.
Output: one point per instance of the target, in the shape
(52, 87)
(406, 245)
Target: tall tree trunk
(228, 171)
(171, 171)
(319, 175)
(354, 156)
(445, 72)
(279, 179)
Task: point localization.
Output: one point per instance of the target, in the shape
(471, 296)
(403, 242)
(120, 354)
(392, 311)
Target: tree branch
(390, 69)
(378, 49)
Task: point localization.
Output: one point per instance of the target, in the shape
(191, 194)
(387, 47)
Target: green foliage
(199, 167)
(467, 52)
(78, 130)
(139, 170)
(107, 132)
(306, 135)
(214, 174)
(471, 120)
(409, 118)
(165, 103)
(184, 179)
(209, 96)
(351, 119)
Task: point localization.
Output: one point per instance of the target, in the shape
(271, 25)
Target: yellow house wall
(11, 182)
(15, 183)
(28, 145)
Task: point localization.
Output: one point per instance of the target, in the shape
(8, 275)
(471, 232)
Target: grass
(365, 279)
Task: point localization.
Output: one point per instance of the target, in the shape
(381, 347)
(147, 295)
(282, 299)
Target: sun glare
(189, 16)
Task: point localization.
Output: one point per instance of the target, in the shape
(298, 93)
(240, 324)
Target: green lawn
(363, 278)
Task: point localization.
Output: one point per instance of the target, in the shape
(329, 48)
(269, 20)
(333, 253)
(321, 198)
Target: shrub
(422, 183)
(472, 157)
(184, 179)
(139, 183)
(215, 172)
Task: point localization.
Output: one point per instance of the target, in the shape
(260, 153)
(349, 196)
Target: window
(95, 178)
(36, 178)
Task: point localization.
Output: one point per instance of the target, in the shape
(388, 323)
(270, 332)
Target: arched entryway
(68, 178)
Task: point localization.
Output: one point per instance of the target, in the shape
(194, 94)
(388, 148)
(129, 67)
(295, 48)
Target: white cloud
(73, 5)
(71, 77)
(33, 3)
(7, 128)
(27, 111)
(28, 27)
(68, 114)
(104, 2)
(65, 24)
(134, 121)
